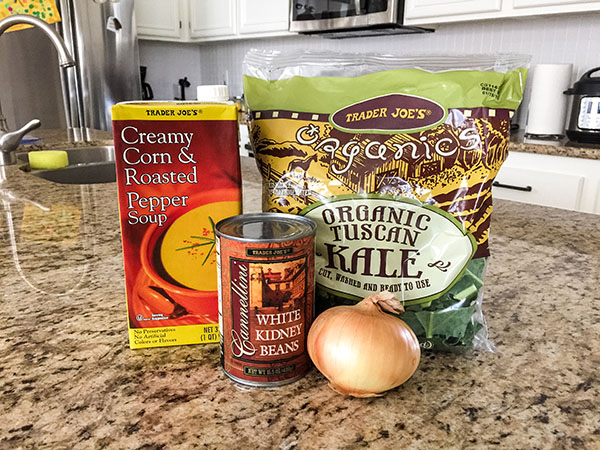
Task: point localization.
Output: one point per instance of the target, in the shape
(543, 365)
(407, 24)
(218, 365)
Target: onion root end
(361, 394)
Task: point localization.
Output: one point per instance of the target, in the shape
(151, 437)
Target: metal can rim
(310, 230)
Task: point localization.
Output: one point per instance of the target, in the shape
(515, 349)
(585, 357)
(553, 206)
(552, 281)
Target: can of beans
(266, 296)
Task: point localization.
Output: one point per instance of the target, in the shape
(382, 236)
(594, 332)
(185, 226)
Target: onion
(362, 350)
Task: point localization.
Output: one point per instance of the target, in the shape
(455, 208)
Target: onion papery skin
(361, 350)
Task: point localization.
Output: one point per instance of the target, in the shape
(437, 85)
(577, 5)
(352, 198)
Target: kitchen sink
(87, 165)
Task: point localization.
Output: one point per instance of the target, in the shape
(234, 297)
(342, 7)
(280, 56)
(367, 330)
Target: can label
(266, 309)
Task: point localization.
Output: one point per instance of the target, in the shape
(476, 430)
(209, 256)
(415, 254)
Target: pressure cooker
(584, 123)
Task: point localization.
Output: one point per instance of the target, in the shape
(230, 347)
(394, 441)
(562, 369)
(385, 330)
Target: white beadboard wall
(553, 39)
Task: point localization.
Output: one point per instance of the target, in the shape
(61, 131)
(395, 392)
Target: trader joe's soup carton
(178, 174)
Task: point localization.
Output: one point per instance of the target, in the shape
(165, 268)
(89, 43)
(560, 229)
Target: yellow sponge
(48, 159)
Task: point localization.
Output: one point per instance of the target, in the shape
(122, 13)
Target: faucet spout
(65, 58)
(9, 141)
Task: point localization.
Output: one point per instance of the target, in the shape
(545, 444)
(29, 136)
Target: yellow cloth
(42, 9)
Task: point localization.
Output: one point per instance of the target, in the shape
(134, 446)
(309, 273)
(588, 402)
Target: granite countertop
(70, 381)
(56, 139)
(562, 147)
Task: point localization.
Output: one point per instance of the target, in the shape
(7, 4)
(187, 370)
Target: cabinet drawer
(558, 190)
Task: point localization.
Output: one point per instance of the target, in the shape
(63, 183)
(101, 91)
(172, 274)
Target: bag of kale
(394, 159)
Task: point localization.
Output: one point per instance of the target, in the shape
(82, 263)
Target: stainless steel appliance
(10, 140)
(349, 18)
(102, 38)
(584, 123)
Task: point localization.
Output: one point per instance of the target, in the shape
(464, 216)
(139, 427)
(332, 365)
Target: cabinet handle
(510, 186)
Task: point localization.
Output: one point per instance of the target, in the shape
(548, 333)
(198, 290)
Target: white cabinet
(439, 8)
(556, 181)
(541, 3)
(210, 20)
(431, 12)
(539, 187)
(259, 16)
(158, 18)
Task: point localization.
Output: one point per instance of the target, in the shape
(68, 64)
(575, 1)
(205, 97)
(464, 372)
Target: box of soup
(178, 174)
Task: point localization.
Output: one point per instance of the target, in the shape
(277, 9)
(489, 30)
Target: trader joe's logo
(389, 113)
(370, 243)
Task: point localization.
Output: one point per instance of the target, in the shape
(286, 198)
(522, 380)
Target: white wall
(554, 39)
(167, 62)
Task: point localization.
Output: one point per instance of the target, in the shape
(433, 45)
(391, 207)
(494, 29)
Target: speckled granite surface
(59, 139)
(562, 147)
(69, 381)
(559, 150)
(56, 139)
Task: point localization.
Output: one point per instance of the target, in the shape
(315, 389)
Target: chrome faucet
(9, 141)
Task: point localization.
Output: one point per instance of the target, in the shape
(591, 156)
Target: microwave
(349, 18)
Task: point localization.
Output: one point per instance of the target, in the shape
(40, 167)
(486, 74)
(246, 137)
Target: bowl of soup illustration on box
(179, 274)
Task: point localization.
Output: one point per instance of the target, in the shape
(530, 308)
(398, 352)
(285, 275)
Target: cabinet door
(415, 9)
(259, 16)
(158, 18)
(558, 3)
(209, 18)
